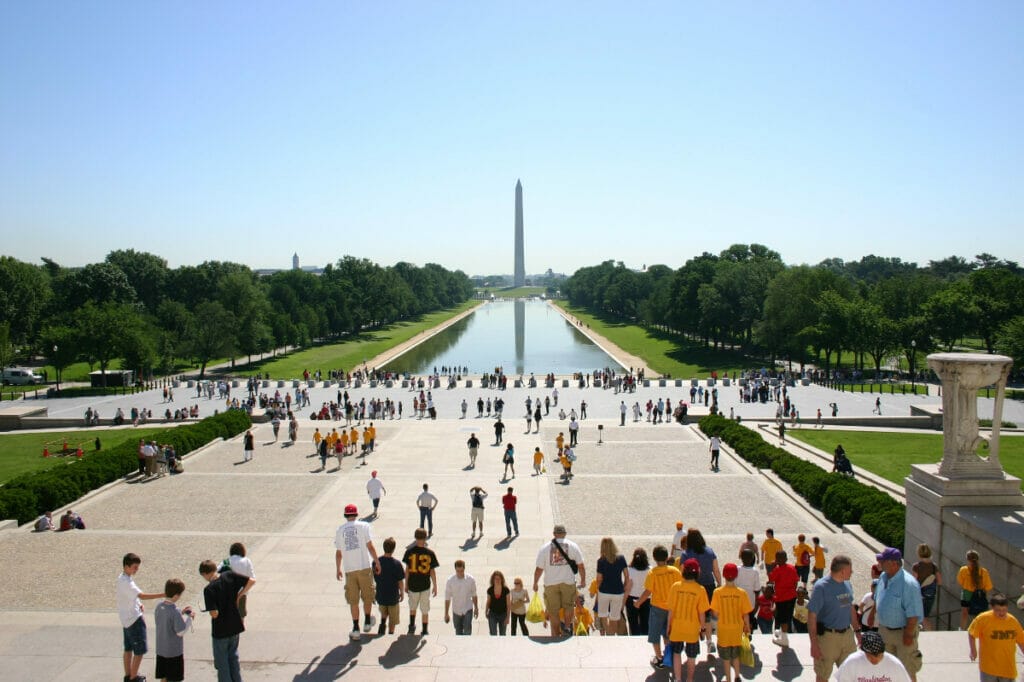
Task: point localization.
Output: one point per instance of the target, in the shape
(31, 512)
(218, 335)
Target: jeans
(463, 623)
(496, 623)
(427, 515)
(511, 521)
(637, 617)
(225, 659)
(520, 619)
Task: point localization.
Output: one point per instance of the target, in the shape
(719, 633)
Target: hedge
(28, 496)
(841, 499)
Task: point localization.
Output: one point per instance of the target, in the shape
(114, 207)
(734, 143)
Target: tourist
(769, 548)
(518, 599)
(497, 609)
(509, 460)
(465, 406)
(785, 579)
(975, 583)
(714, 446)
(508, 503)
(899, 609)
(375, 489)
(929, 578)
(872, 662)
(172, 623)
(538, 462)
(637, 616)
(819, 557)
(748, 544)
(613, 583)
(421, 563)
(461, 600)
(710, 576)
(389, 585)
(688, 604)
(997, 631)
(426, 502)
(44, 522)
(129, 610)
(657, 587)
(242, 565)
(499, 428)
(832, 619)
(477, 495)
(529, 421)
(731, 606)
(749, 578)
(537, 417)
(766, 609)
(802, 556)
(249, 445)
(480, 407)
(677, 541)
(356, 554)
(622, 413)
(474, 447)
(574, 431)
(221, 596)
(559, 560)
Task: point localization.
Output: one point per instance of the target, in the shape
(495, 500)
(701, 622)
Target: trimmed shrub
(27, 496)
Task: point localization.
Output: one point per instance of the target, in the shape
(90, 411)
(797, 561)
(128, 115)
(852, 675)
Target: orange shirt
(688, 601)
(731, 604)
(659, 583)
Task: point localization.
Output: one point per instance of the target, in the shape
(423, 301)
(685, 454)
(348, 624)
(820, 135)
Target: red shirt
(785, 579)
(509, 502)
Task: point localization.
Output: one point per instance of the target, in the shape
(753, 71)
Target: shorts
(172, 669)
(360, 583)
(477, 515)
(560, 596)
(784, 611)
(728, 653)
(391, 613)
(135, 637)
(985, 677)
(419, 601)
(656, 622)
(609, 606)
(910, 656)
(835, 647)
(692, 649)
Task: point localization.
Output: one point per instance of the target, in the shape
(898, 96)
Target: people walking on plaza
(997, 632)
(390, 588)
(613, 583)
(221, 596)
(583, 409)
(622, 413)
(714, 445)
(480, 408)
(878, 406)
(537, 417)
(819, 558)
(899, 608)
(465, 406)
(710, 575)
(657, 587)
(355, 558)
(518, 599)
(559, 561)
(832, 623)
(460, 600)
(929, 578)
(803, 556)
(732, 607)
(129, 610)
(426, 502)
(529, 421)
(574, 431)
(172, 622)
(688, 606)
(508, 503)
(248, 445)
(421, 579)
(477, 495)
(538, 462)
(474, 447)
(375, 489)
(769, 548)
(637, 616)
(509, 460)
(872, 662)
(498, 606)
(975, 584)
(499, 429)
(784, 576)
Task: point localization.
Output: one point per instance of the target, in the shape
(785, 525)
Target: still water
(523, 337)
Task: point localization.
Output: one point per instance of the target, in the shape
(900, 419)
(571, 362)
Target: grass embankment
(513, 292)
(354, 352)
(664, 352)
(890, 455)
(23, 452)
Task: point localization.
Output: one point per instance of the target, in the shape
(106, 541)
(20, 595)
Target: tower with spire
(519, 272)
(295, 261)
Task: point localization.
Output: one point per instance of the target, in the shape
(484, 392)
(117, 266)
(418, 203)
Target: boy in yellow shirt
(998, 631)
(657, 586)
(803, 556)
(688, 602)
(538, 460)
(731, 605)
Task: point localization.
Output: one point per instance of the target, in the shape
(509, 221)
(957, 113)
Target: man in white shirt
(427, 503)
(714, 446)
(356, 554)
(129, 610)
(872, 662)
(374, 488)
(460, 597)
(553, 562)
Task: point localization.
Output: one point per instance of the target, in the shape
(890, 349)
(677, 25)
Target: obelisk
(519, 274)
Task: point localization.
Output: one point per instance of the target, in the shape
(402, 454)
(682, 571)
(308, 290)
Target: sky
(642, 132)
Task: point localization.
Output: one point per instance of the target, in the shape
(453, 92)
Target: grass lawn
(663, 352)
(21, 453)
(352, 353)
(514, 292)
(890, 455)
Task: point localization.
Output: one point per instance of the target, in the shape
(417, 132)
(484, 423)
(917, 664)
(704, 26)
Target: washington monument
(519, 275)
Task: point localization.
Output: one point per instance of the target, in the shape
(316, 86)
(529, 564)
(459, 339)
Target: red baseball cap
(350, 510)
(730, 571)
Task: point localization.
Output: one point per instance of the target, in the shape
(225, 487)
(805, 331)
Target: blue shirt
(706, 559)
(898, 598)
(830, 603)
(611, 583)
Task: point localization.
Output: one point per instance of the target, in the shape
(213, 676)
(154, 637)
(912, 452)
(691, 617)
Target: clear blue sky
(642, 132)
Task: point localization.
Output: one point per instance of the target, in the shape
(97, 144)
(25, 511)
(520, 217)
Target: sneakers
(355, 635)
(780, 639)
(368, 625)
(657, 664)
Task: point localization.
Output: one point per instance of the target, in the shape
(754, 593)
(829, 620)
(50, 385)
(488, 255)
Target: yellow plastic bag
(535, 611)
(746, 652)
(581, 629)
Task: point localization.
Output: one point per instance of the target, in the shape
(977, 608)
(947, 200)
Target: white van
(18, 376)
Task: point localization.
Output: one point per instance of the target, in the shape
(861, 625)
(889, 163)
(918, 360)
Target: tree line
(133, 307)
(872, 309)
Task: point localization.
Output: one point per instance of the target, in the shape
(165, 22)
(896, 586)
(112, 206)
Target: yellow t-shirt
(344, 438)
(373, 432)
(687, 601)
(560, 441)
(769, 548)
(538, 457)
(731, 604)
(963, 578)
(997, 638)
(317, 437)
(659, 582)
(819, 558)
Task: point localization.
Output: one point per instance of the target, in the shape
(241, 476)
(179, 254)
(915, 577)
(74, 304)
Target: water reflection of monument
(520, 317)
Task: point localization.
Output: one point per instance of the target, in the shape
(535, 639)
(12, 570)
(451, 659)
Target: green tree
(211, 333)
(1011, 340)
(25, 292)
(146, 273)
(102, 330)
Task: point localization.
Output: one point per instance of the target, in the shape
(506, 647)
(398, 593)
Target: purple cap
(890, 554)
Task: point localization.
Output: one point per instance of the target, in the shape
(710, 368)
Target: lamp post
(55, 365)
(913, 357)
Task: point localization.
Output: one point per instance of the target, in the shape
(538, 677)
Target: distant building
(295, 261)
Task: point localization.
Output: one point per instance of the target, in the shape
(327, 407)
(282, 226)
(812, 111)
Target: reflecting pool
(496, 336)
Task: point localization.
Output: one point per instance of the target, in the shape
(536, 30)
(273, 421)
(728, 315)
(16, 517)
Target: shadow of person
(335, 663)
(503, 544)
(470, 543)
(787, 665)
(404, 650)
